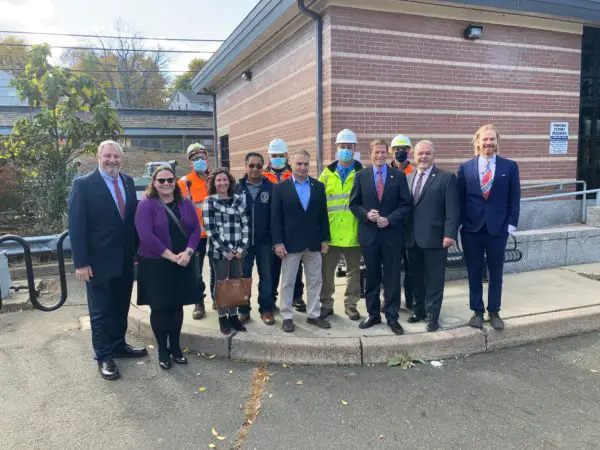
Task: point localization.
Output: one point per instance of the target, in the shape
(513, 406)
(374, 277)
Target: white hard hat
(195, 148)
(401, 141)
(346, 136)
(277, 147)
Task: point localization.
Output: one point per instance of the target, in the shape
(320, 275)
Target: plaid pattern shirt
(226, 225)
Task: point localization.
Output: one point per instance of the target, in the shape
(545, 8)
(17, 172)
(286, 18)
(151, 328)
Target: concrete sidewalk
(537, 305)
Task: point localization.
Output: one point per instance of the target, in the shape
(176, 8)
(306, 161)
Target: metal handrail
(569, 194)
(555, 183)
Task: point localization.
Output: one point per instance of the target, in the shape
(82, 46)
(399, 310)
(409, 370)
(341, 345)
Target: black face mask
(401, 156)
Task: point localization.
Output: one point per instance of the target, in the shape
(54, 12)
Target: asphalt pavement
(544, 395)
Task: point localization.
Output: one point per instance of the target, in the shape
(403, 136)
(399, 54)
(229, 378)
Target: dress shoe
(244, 317)
(109, 370)
(299, 304)
(352, 313)
(267, 318)
(476, 321)
(180, 359)
(395, 327)
(288, 326)
(234, 321)
(224, 325)
(318, 321)
(369, 322)
(416, 318)
(496, 321)
(199, 312)
(433, 326)
(127, 351)
(326, 312)
(165, 365)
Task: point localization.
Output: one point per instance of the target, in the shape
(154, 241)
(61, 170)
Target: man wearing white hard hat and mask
(338, 179)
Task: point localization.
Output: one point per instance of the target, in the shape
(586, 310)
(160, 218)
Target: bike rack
(33, 293)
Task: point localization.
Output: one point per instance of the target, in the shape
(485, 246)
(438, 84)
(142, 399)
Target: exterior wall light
(247, 75)
(473, 32)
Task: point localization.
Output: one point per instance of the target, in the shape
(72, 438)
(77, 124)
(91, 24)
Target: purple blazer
(152, 225)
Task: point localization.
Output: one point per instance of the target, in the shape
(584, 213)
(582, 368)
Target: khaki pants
(330, 261)
(312, 271)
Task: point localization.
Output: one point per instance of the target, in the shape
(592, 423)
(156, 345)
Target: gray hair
(425, 142)
(107, 143)
(300, 152)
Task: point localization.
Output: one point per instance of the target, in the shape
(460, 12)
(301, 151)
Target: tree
(12, 56)
(184, 82)
(74, 115)
(130, 73)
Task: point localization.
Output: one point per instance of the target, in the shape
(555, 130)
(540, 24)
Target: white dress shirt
(416, 179)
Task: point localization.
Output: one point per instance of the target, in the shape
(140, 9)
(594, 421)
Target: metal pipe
(569, 194)
(33, 295)
(319, 42)
(215, 130)
(556, 183)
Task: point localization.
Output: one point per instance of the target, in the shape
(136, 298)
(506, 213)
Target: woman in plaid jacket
(226, 224)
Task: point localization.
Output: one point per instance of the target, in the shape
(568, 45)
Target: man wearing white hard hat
(338, 179)
(193, 186)
(277, 171)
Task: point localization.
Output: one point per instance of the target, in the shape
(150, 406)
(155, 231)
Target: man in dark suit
(380, 199)
(431, 228)
(101, 214)
(300, 231)
(490, 197)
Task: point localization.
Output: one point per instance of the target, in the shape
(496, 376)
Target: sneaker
(352, 313)
(299, 305)
(476, 321)
(224, 325)
(199, 312)
(234, 321)
(288, 326)
(244, 317)
(496, 321)
(318, 321)
(326, 312)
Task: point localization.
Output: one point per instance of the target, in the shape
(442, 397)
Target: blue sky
(201, 19)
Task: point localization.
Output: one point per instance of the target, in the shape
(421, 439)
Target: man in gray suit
(431, 228)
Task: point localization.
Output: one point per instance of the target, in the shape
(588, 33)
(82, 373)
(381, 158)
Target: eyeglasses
(255, 166)
(165, 180)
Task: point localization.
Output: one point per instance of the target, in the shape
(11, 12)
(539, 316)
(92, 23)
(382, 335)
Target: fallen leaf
(202, 389)
(436, 364)
(380, 437)
(198, 374)
(211, 356)
(150, 346)
(419, 360)
(241, 406)
(139, 363)
(249, 422)
(284, 365)
(214, 432)
(186, 350)
(344, 402)
(595, 371)
(212, 446)
(221, 438)
(270, 395)
(231, 371)
(299, 382)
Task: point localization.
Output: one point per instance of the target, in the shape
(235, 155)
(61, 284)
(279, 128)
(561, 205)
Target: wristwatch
(190, 253)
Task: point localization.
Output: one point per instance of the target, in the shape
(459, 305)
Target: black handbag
(195, 259)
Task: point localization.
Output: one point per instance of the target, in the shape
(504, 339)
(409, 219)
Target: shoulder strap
(175, 219)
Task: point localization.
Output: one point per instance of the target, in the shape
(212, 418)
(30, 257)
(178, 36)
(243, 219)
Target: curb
(449, 343)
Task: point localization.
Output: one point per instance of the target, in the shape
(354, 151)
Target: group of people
(397, 217)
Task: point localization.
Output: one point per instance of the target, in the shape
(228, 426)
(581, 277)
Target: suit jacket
(99, 237)
(395, 205)
(297, 229)
(436, 213)
(503, 204)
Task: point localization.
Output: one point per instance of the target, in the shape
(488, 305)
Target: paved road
(540, 396)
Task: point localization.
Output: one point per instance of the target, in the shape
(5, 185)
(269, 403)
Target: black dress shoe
(127, 351)
(109, 370)
(180, 359)
(416, 318)
(396, 327)
(299, 304)
(165, 365)
(433, 326)
(369, 322)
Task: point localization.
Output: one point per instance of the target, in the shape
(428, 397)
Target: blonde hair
(300, 152)
(375, 142)
(488, 127)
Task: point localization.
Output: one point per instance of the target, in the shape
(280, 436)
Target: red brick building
(406, 67)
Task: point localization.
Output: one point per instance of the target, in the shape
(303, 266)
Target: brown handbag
(232, 293)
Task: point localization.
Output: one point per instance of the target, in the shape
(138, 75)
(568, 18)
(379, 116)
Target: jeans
(263, 254)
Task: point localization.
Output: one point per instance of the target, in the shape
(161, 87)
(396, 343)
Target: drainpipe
(319, 41)
(215, 132)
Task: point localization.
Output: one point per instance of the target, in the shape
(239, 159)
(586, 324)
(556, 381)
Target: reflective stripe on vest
(338, 197)
(338, 208)
(343, 225)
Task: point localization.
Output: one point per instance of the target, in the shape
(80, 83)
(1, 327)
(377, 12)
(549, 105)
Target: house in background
(187, 100)
(8, 94)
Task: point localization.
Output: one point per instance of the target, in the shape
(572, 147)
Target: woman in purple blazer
(169, 232)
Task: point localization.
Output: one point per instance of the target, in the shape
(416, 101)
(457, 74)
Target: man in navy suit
(101, 214)
(490, 196)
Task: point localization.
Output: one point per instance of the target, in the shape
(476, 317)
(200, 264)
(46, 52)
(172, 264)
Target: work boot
(299, 304)
(199, 312)
(352, 313)
(496, 321)
(318, 321)
(476, 321)
(326, 312)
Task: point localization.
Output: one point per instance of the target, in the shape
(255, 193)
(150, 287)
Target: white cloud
(25, 14)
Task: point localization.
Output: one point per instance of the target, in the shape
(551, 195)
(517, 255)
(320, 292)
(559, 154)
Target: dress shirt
(109, 183)
(383, 174)
(303, 191)
(416, 179)
(481, 163)
(344, 171)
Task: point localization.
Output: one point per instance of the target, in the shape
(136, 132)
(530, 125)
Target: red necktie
(120, 201)
(486, 181)
(379, 184)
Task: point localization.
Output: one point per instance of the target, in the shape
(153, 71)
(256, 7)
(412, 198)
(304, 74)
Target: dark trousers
(408, 283)
(108, 303)
(276, 273)
(263, 254)
(475, 246)
(383, 263)
(166, 325)
(428, 276)
(201, 285)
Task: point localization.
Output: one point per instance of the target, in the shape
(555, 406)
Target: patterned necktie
(418, 186)
(379, 184)
(486, 180)
(120, 201)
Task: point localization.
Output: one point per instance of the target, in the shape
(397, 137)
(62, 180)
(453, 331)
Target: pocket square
(503, 175)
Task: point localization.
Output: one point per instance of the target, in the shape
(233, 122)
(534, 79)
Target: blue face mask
(277, 163)
(200, 165)
(344, 155)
